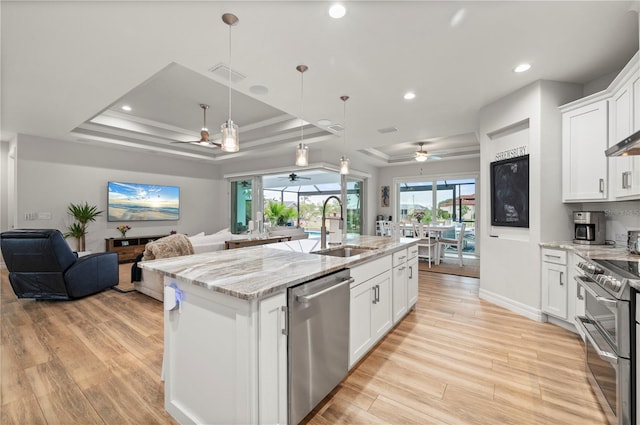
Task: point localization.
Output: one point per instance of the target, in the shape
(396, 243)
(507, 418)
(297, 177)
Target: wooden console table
(241, 243)
(129, 248)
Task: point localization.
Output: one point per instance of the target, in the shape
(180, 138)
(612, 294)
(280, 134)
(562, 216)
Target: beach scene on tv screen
(131, 201)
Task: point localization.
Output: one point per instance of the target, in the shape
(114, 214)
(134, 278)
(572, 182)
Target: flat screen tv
(142, 202)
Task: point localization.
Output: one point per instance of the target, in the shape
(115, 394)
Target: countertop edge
(336, 264)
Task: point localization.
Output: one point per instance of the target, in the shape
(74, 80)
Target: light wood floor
(454, 360)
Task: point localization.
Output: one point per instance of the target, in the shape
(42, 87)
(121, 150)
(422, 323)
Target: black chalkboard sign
(510, 192)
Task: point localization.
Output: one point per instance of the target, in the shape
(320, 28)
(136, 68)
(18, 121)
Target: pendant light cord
(301, 107)
(230, 72)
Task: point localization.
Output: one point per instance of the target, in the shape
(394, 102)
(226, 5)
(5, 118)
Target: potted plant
(83, 214)
(278, 213)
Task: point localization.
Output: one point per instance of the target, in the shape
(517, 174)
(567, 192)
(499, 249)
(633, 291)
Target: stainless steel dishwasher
(318, 343)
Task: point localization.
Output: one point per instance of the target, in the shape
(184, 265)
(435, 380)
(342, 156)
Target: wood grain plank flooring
(454, 360)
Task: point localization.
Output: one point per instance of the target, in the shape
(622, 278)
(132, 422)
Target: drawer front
(556, 256)
(399, 257)
(366, 271)
(412, 252)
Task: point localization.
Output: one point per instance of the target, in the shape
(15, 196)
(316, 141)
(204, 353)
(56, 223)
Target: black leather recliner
(42, 265)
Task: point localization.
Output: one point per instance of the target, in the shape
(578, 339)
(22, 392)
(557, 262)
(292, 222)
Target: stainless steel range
(607, 328)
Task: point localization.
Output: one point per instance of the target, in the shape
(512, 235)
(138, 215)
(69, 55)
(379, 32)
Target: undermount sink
(345, 251)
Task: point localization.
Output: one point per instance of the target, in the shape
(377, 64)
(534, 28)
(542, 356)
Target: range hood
(628, 146)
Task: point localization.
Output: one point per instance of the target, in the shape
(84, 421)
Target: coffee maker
(589, 227)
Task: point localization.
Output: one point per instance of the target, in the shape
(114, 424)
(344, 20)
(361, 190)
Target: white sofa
(152, 283)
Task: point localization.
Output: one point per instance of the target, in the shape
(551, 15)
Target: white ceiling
(67, 67)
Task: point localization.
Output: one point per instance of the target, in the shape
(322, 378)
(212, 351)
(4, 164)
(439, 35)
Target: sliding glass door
(449, 201)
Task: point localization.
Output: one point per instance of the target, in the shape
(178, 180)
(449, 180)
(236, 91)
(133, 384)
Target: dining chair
(444, 243)
(427, 246)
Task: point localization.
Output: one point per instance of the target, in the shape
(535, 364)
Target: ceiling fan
(294, 177)
(204, 132)
(422, 155)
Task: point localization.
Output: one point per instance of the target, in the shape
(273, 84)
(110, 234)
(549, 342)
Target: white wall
(510, 261)
(52, 173)
(4, 177)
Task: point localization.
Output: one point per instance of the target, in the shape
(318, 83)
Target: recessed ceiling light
(126, 108)
(457, 18)
(337, 11)
(522, 67)
(409, 95)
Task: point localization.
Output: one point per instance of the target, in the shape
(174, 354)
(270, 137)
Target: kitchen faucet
(323, 228)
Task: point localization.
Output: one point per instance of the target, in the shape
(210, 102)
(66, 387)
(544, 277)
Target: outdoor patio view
(442, 201)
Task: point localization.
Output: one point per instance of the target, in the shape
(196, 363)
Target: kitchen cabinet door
(272, 360)
(400, 274)
(554, 289)
(412, 282)
(361, 335)
(622, 122)
(381, 318)
(584, 165)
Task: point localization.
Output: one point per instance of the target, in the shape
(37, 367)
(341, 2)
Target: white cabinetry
(554, 282)
(584, 140)
(225, 358)
(272, 366)
(624, 108)
(412, 278)
(400, 294)
(370, 310)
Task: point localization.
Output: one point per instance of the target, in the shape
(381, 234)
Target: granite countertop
(257, 271)
(601, 252)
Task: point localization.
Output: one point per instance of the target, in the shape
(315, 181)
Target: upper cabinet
(589, 127)
(624, 108)
(584, 165)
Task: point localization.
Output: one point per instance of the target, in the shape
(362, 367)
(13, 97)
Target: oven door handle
(593, 290)
(608, 356)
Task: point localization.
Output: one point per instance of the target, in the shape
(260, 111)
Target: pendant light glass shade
(230, 135)
(302, 151)
(302, 155)
(344, 161)
(344, 165)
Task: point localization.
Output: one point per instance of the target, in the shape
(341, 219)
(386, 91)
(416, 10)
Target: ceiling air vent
(222, 71)
(336, 127)
(387, 130)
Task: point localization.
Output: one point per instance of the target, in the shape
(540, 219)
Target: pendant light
(230, 141)
(302, 152)
(344, 161)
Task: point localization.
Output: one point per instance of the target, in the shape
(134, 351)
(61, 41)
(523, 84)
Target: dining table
(436, 231)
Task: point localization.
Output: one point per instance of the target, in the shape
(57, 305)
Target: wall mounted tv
(142, 202)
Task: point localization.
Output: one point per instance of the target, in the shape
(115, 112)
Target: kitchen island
(225, 356)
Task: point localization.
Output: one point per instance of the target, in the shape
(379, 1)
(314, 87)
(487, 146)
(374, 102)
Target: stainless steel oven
(607, 329)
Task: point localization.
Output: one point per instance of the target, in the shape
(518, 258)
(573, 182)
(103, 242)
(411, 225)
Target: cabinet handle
(401, 268)
(402, 258)
(579, 293)
(552, 256)
(410, 272)
(285, 330)
(375, 297)
(601, 183)
(378, 293)
(561, 283)
(624, 180)
(628, 179)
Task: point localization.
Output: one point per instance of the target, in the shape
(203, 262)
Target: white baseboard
(515, 306)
